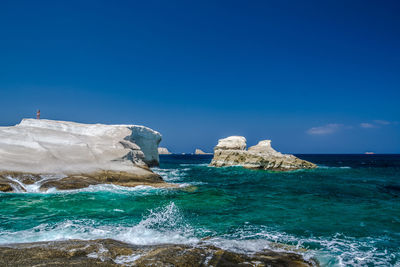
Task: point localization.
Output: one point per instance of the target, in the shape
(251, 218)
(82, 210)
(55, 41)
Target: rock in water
(200, 152)
(163, 151)
(231, 151)
(119, 154)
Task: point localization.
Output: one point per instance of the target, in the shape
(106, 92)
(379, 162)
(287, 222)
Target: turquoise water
(346, 212)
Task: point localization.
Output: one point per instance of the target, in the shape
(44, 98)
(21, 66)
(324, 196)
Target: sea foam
(160, 226)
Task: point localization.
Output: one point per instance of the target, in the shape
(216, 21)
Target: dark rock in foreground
(108, 252)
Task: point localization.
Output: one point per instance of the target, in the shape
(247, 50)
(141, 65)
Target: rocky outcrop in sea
(231, 151)
(69, 155)
(163, 151)
(200, 152)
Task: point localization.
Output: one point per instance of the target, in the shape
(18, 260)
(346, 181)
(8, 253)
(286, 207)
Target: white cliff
(43, 146)
(69, 148)
(231, 151)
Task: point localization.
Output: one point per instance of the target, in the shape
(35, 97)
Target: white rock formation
(200, 152)
(46, 146)
(232, 142)
(231, 152)
(163, 151)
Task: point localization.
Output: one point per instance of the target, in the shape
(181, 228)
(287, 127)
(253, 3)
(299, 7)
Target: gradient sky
(313, 76)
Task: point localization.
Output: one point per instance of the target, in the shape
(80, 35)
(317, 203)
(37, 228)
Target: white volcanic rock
(264, 147)
(163, 151)
(46, 146)
(232, 142)
(230, 152)
(200, 152)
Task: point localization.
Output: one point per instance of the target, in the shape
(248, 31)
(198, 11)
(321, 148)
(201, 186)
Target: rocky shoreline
(20, 182)
(109, 252)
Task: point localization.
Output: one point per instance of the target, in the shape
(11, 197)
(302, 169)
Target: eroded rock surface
(232, 151)
(231, 143)
(108, 252)
(69, 155)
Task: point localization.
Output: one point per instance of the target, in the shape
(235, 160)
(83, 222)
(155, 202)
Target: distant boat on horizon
(369, 153)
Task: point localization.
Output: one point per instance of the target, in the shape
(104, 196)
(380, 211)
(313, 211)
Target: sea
(344, 213)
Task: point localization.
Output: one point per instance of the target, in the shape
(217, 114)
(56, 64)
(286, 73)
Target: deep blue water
(346, 212)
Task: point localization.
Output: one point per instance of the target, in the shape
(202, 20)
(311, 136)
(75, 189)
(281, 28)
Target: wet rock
(25, 178)
(17, 182)
(9, 185)
(105, 177)
(69, 183)
(108, 252)
(65, 253)
(5, 186)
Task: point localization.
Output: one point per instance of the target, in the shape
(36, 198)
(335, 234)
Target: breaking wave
(338, 250)
(160, 226)
(171, 175)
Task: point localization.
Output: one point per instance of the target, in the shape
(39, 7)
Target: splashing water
(162, 225)
(20, 187)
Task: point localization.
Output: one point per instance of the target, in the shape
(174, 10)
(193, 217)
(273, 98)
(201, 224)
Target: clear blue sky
(313, 76)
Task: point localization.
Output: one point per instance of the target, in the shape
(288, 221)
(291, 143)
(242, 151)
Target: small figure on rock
(38, 114)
